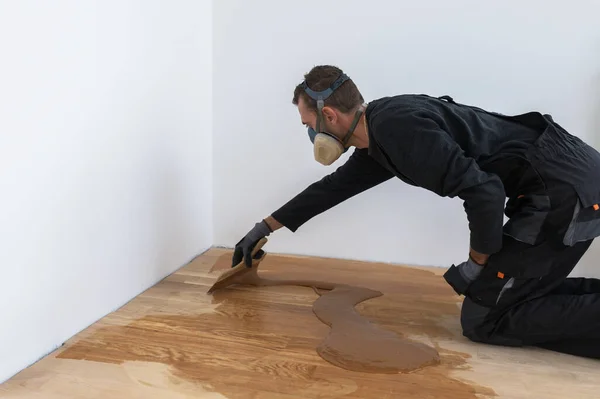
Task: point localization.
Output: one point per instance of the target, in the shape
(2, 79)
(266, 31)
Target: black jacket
(451, 149)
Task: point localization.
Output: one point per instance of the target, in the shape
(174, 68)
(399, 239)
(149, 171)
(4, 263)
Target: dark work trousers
(523, 296)
(552, 311)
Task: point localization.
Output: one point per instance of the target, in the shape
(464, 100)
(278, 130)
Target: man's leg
(578, 286)
(578, 297)
(562, 323)
(578, 347)
(523, 297)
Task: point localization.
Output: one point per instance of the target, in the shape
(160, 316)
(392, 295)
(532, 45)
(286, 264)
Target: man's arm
(427, 155)
(360, 173)
(273, 223)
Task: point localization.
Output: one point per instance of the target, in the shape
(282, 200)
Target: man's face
(307, 117)
(329, 121)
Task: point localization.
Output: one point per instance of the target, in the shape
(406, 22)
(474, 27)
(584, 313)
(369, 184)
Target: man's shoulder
(397, 112)
(400, 100)
(399, 106)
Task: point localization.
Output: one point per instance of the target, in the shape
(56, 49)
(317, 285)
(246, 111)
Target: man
(515, 277)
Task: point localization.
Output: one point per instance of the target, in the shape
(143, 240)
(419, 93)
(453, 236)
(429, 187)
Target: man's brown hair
(346, 98)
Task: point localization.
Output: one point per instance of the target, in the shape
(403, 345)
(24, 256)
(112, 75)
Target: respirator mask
(327, 147)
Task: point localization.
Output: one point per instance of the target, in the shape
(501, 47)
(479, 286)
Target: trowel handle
(257, 253)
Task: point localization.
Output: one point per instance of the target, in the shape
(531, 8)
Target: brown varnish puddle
(268, 340)
(353, 343)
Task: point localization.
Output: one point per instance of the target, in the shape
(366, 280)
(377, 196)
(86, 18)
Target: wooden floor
(174, 341)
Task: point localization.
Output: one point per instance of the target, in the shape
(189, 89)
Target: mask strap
(321, 96)
(324, 94)
(320, 105)
(357, 116)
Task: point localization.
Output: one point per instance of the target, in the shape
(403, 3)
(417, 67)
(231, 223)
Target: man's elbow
(489, 195)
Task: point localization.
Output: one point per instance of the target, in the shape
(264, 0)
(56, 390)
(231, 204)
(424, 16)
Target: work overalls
(522, 295)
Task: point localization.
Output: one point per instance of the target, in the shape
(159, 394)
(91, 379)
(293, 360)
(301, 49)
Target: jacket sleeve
(359, 173)
(433, 160)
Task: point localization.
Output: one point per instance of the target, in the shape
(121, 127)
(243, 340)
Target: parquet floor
(176, 342)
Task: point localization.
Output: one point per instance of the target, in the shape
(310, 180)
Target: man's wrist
(477, 257)
(272, 223)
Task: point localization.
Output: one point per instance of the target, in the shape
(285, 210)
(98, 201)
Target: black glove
(461, 276)
(243, 249)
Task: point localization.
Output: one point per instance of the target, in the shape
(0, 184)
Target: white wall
(105, 159)
(511, 56)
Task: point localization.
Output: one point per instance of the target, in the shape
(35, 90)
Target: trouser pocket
(585, 223)
(515, 264)
(486, 289)
(527, 214)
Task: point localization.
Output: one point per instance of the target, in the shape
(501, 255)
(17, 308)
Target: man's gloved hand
(243, 249)
(461, 276)
(470, 270)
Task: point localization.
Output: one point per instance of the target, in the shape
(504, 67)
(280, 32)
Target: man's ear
(329, 114)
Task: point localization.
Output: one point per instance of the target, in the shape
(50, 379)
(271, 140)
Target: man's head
(328, 102)
(339, 107)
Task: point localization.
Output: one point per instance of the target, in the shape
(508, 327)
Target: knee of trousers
(473, 319)
(478, 325)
